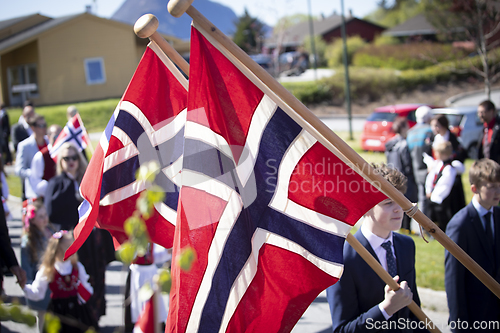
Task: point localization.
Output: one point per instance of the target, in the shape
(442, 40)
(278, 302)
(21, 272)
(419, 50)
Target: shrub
(385, 40)
(406, 56)
(310, 92)
(319, 45)
(334, 52)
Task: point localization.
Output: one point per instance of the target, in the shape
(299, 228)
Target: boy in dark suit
(476, 229)
(360, 300)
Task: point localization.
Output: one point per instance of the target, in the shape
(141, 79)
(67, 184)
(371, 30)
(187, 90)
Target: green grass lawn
(95, 115)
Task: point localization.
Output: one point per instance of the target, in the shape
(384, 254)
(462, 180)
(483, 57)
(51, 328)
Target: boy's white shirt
(445, 182)
(376, 244)
(36, 290)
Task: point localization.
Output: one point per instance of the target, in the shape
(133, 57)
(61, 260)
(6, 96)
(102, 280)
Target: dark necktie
(486, 143)
(489, 232)
(391, 261)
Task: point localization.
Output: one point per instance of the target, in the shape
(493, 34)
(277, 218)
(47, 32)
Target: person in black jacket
(398, 156)
(22, 130)
(7, 255)
(5, 135)
(489, 144)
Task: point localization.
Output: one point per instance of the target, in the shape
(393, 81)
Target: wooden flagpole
(146, 28)
(326, 136)
(382, 273)
(90, 146)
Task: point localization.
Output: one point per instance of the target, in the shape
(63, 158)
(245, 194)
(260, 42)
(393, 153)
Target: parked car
(265, 61)
(465, 123)
(293, 63)
(377, 130)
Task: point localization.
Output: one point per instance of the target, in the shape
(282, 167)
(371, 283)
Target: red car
(377, 130)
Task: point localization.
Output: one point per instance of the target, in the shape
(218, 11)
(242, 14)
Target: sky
(268, 11)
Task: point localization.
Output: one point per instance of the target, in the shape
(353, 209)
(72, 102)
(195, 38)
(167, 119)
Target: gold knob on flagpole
(146, 26)
(178, 7)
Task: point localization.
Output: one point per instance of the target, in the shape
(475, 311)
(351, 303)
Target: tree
(477, 21)
(390, 14)
(249, 34)
(290, 20)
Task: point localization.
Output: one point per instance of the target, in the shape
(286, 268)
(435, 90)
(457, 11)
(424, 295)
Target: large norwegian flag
(264, 205)
(73, 132)
(148, 124)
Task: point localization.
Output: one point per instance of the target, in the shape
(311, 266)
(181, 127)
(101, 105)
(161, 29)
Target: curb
(454, 99)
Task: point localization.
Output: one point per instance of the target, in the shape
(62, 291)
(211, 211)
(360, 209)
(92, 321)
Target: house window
(94, 71)
(22, 83)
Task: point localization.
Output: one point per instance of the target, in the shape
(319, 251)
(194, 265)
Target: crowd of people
(425, 163)
(73, 289)
(51, 197)
(428, 158)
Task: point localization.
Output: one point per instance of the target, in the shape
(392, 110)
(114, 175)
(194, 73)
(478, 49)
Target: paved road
(474, 98)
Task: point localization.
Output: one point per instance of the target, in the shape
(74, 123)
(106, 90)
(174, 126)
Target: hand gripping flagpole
(146, 27)
(327, 137)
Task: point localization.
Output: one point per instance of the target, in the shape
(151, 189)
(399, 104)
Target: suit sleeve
(21, 169)
(15, 140)
(345, 308)
(454, 273)
(6, 251)
(51, 197)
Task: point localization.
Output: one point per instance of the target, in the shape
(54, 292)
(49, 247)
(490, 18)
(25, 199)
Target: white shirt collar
(63, 267)
(480, 209)
(374, 240)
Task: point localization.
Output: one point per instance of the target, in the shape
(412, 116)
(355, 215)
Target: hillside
(221, 16)
(433, 94)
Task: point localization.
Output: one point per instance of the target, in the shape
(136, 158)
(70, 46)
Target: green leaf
(127, 252)
(52, 323)
(164, 280)
(187, 258)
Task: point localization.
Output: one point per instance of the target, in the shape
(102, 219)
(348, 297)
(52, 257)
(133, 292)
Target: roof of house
(295, 34)
(29, 34)
(417, 25)
(10, 22)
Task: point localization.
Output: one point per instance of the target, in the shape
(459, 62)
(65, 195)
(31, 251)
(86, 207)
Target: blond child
(443, 185)
(36, 234)
(68, 283)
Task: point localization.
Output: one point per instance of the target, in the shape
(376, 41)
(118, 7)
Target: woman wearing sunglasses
(62, 196)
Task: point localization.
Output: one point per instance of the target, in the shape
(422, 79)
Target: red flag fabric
(263, 204)
(146, 322)
(147, 125)
(73, 132)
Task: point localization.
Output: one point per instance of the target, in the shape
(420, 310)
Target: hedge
(406, 56)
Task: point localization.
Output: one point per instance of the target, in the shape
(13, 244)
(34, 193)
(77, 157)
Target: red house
(328, 28)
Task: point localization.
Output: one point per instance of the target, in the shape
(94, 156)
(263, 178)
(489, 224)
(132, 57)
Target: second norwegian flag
(147, 125)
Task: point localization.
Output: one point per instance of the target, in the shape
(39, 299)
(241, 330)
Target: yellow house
(68, 59)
